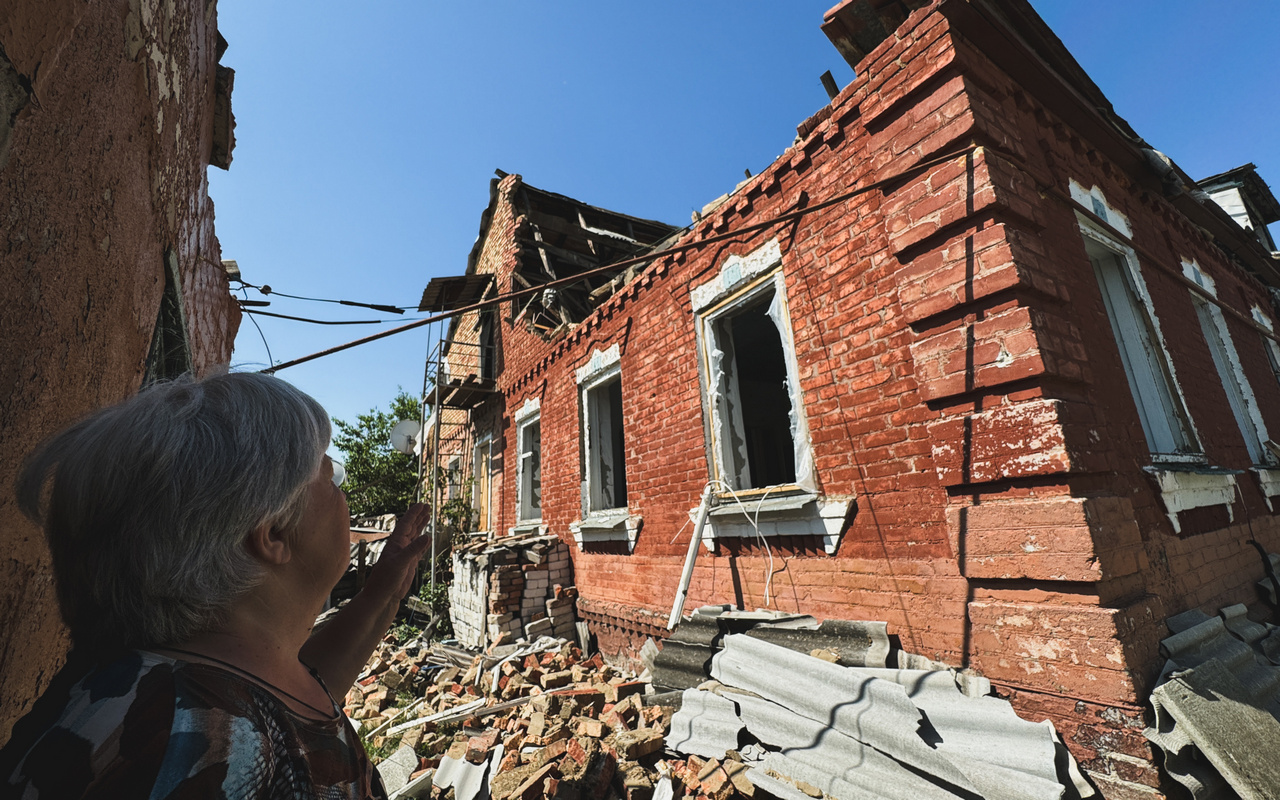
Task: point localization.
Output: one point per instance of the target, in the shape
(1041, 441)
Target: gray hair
(150, 501)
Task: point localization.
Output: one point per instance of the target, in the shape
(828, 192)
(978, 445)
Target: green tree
(380, 480)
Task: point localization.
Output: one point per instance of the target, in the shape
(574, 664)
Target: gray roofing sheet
(1207, 709)
(853, 769)
(1198, 638)
(706, 725)
(975, 745)
(1220, 707)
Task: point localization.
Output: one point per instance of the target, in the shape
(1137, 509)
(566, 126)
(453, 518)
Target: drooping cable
(270, 360)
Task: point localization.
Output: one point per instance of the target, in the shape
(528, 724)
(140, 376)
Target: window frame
(723, 462)
(594, 443)
(483, 480)
(1226, 360)
(529, 415)
(1152, 389)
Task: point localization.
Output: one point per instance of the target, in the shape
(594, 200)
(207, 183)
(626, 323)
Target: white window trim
(787, 514)
(1130, 259)
(1272, 347)
(528, 414)
(739, 280)
(1244, 405)
(1094, 200)
(1185, 489)
(797, 509)
(611, 524)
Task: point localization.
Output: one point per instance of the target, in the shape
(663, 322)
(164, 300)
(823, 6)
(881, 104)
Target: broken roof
(558, 237)
(1251, 185)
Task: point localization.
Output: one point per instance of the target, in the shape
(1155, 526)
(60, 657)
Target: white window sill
(1192, 487)
(796, 513)
(613, 525)
(1268, 478)
(527, 526)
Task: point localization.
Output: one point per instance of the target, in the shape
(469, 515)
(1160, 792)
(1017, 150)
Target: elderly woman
(196, 531)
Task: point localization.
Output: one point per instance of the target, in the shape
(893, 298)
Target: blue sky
(367, 134)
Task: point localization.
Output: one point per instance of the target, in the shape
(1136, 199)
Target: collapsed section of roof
(559, 237)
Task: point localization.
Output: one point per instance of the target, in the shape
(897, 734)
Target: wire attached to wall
(270, 360)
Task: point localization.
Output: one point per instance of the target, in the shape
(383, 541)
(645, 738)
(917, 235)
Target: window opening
(758, 432)
(606, 451)
(530, 469)
(484, 483)
(1164, 417)
(754, 376)
(1227, 362)
(169, 355)
(488, 348)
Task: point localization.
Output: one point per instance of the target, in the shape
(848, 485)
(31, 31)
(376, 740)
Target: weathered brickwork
(102, 176)
(960, 380)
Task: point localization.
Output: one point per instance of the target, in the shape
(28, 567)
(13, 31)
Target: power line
(270, 360)
(626, 262)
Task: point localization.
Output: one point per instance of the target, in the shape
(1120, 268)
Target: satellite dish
(405, 436)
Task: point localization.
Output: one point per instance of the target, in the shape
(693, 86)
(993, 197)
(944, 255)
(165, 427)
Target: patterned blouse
(148, 726)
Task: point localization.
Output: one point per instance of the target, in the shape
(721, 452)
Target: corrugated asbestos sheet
(685, 660)
(857, 732)
(1217, 710)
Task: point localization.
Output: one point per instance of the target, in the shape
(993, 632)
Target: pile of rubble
(767, 718)
(524, 721)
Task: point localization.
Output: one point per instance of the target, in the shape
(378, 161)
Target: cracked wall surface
(106, 114)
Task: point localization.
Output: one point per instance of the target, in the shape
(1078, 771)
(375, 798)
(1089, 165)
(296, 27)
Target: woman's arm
(340, 649)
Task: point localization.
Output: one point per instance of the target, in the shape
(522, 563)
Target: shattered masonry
(920, 398)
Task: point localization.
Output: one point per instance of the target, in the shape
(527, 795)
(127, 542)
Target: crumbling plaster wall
(101, 173)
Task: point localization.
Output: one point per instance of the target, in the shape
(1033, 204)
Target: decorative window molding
(758, 429)
(1162, 408)
(794, 514)
(758, 433)
(1244, 406)
(736, 272)
(600, 361)
(1185, 489)
(618, 525)
(1094, 200)
(1268, 479)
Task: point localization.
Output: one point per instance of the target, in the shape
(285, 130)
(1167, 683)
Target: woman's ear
(269, 544)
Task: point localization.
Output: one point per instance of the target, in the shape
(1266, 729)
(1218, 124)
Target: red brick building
(110, 114)
(1012, 395)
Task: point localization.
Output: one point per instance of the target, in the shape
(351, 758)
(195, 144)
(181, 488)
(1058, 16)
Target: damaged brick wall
(102, 174)
(960, 380)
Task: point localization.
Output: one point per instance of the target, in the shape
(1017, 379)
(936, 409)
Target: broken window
(1227, 362)
(488, 347)
(169, 355)
(529, 470)
(1161, 407)
(757, 428)
(605, 475)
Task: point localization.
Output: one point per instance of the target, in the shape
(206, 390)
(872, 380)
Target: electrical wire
(270, 360)
(646, 257)
(255, 313)
(387, 307)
